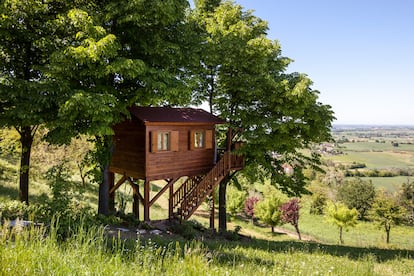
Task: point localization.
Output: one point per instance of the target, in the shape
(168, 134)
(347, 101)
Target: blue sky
(359, 53)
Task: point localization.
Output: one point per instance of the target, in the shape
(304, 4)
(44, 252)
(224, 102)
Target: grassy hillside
(256, 252)
(89, 252)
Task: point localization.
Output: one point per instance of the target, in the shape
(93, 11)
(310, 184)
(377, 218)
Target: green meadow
(246, 249)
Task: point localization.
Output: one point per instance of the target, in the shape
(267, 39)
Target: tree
(406, 196)
(290, 214)
(268, 210)
(123, 53)
(341, 216)
(242, 76)
(318, 204)
(250, 206)
(387, 212)
(30, 32)
(235, 201)
(357, 194)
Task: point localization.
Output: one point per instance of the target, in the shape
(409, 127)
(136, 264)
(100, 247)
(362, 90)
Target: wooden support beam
(146, 200)
(118, 184)
(212, 218)
(135, 189)
(170, 202)
(170, 182)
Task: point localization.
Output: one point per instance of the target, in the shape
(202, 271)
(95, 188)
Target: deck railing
(194, 191)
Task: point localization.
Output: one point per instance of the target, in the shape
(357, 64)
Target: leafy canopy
(242, 75)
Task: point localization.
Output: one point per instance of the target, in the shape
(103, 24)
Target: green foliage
(387, 212)
(235, 200)
(242, 76)
(406, 197)
(187, 229)
(9, 143)
(318, 204)
(341, 216)
(268, 210)
(10, 210)
(357, 193)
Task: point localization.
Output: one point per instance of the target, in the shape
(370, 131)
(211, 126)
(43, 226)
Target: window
(201, 139)
(198, 139)
(164, 141)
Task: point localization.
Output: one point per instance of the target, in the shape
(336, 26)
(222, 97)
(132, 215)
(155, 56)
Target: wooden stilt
(212, 218)
(146, 200)
(111, 177)
(170, 202)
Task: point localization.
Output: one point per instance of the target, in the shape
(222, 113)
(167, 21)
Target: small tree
(318, 204)
(249, 207)
(340, 215)
(235, 201)
(290, 214)
(387, 212)
(357, 194)
(268, 211)
(406, 197)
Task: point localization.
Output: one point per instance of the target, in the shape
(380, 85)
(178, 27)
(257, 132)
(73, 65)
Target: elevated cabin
(163, 143)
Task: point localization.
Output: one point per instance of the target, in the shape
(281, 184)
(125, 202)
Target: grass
(376, 160)
(390, 184)
(89, 252)
(365, 234)
(373, 146)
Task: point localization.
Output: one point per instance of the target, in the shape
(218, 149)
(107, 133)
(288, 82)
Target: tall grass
(89, 252)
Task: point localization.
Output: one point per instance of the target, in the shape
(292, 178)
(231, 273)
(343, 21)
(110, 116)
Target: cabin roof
(171, 115)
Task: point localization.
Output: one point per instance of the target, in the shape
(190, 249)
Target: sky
(358, 53)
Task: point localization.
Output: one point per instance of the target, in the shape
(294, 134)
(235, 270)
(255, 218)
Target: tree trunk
(107, 148)
(26, 140)
(273, 228)
(222, 205)
(388, 230)
(103, 206)
(297, 231)
(340, 235)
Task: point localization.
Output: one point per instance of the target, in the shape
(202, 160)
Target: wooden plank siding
(136, 155)
(181, 159)
(129, 149)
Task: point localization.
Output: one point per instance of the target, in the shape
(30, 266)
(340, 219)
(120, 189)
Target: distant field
(376, 160)
(373, 146)
(391, 184)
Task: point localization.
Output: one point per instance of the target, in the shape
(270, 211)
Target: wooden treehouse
(162, 143)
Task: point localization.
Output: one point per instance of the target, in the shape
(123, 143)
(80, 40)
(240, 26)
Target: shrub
(249, 206)
(290, 214)
(11, 210)
(235, 201)
(268, 210)
(318, 204)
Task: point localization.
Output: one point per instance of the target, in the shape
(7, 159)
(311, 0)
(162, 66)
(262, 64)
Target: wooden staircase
(192, 193)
